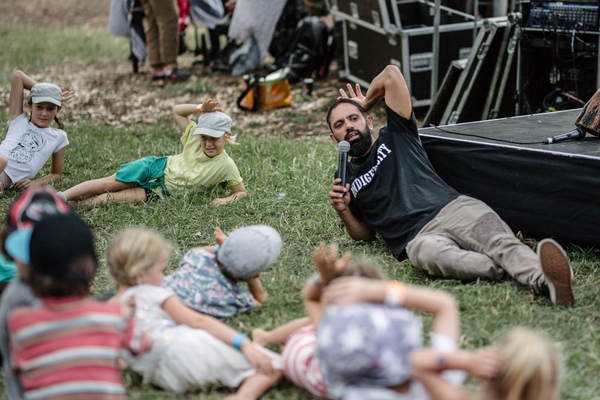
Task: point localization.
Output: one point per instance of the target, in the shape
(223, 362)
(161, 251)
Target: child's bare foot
(260, 337)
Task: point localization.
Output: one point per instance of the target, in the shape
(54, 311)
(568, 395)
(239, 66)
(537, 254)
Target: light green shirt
(192, 169)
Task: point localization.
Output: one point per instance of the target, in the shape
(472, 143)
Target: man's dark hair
(339, 101)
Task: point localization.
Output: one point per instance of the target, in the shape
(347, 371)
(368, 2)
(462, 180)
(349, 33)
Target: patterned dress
(200, 284)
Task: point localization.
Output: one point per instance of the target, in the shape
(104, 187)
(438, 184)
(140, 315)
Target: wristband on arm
(395, 294)
(238, 339)
(199, 108)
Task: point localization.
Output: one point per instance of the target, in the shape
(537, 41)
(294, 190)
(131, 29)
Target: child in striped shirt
(69, 345)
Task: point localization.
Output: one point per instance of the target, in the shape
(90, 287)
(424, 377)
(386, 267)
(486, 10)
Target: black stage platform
(542, 190)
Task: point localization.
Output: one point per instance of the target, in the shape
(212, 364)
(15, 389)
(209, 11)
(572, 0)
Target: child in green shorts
(203, 163)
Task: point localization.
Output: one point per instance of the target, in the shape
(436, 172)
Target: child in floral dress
(211, 280)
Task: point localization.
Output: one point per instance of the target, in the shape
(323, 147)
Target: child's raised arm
(328, 265)
(347, 290)
(20, 81)
(429, 364)
(182, 112)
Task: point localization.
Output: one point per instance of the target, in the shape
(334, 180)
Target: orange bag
(266, 91)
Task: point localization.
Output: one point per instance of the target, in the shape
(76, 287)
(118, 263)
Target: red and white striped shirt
(300, 362)
(69, 348)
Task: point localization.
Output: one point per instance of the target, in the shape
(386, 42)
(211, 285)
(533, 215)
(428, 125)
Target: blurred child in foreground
(191, 350)
(525, 365)
(68, 345)
(211, 279)
(25, 212)
(361, 332)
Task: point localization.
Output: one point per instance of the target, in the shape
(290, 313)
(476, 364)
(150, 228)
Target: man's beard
(361, 145)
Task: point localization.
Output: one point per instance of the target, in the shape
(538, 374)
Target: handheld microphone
(343, 149)
(575, 134)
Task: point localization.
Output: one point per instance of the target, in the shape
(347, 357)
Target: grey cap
(366, 344)
(213, 124)
(45, 92)
(247, 251)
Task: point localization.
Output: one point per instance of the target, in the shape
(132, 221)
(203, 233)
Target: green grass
(288, 181)
(29, 47)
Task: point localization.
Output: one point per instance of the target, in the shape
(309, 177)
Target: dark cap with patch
(33, 204)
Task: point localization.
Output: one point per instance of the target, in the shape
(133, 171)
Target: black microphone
(574, 134)
(343, 149)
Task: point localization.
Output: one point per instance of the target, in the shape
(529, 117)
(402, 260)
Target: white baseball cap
(45, 92)
(213, 124)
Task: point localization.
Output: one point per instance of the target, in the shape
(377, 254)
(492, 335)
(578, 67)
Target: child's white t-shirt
(28, 147)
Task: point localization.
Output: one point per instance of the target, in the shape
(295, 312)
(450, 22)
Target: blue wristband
(217, 247)
(238, 339)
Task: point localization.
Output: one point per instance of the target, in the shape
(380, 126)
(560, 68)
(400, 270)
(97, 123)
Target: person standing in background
(161, 26)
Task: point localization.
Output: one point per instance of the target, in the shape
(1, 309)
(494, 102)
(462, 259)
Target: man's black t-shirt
(394, 188)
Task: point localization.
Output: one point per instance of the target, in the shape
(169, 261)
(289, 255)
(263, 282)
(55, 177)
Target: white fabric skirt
(196, 359)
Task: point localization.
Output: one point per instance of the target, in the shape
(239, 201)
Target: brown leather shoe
(557, 271)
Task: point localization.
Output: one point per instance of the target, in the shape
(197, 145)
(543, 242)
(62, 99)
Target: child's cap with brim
(53, 244)
(247, 251)
(45, 92)
(17, 244)
(213, 124)
(33, 204)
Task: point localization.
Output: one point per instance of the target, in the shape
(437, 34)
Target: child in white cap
(30, 143)
(202, 164)
(191, 350)
(211, 279)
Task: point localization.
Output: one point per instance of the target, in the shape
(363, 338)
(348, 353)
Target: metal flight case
(486, 86)
(380, 32)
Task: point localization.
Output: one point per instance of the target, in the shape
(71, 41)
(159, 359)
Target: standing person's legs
(166, 17)
(161, 25)
(474, 227)
(152, 36)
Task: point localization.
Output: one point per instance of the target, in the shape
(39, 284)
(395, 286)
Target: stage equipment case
(376, 33)
(486, 86)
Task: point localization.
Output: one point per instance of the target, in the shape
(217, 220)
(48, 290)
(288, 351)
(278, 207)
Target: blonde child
(525, 365)
(203, 163)
(68, 345)
(223, 280)
(191, 350)
(30, 143)
(340, 291)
